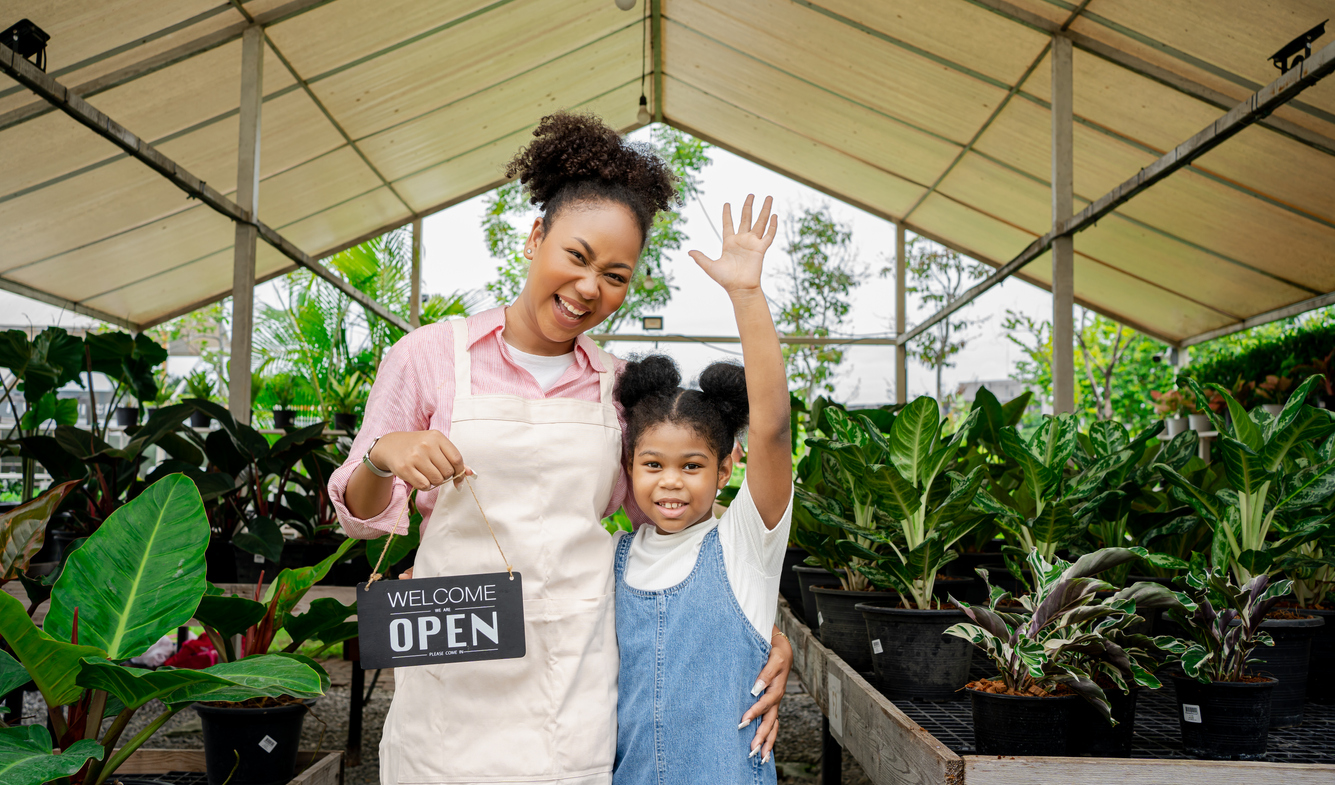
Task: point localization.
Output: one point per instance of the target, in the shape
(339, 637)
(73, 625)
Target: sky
(456, 260)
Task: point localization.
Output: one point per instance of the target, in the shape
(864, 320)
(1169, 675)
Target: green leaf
(229, 615)
(1108, 437)
(139, 576)
(1244, 468)
(1295, 404)
(1312, 485)
(1054, 441)
(26, 756)
(23, 529)
(262, 537)
(1055, 525)
(134, 687)
(1205, 505)
(900, 497)
(52, 664)
(1202, 399)
(912, 435)
(1038, 478)
(261, 675)
(12, 674)
(324, 614)
(1306, 424)
(401, 544)
(292, 584)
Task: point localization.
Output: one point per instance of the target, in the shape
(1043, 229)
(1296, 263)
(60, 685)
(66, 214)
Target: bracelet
(781, 635)
(370, 466)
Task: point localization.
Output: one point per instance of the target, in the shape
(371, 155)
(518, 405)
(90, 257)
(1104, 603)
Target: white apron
(546, 470)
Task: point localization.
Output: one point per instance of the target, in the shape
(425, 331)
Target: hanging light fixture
(625, 5)
(643, 116)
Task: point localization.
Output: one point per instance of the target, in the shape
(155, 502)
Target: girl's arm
(769, 463)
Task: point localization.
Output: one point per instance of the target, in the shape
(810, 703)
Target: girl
(696, 596)
(526, 397)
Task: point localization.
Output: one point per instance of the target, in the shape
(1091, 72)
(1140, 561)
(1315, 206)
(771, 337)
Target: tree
(816, 285)
(939, 275)
(651, 288)
(1116, 368)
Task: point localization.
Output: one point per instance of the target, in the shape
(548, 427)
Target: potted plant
(1311, 568)
(1173, 407)
(1276, 391)
(908, 504)
(40, 366)
(283, 390)
(344, 398)
(140, 576)
(127, 414)
(168, 387)
(1053, 655)
(1223, 707)
(234, 727)
(1270, 505)
(199, 386)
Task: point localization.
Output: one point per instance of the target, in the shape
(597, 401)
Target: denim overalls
(689, 658)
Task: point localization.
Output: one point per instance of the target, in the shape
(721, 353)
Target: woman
(524, 397)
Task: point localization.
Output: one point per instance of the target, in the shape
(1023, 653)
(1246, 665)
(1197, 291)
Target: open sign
(431, 621)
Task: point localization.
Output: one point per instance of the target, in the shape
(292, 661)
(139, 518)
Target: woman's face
(675, 476)
(579, 273)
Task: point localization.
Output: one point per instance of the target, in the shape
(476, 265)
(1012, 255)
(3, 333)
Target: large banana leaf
(23, 529)
(134, 687)
(269, 675)
(325, 613)
(229, 615)
(292, 584)
(912, 435)
(12, 674)
(52, 664)
(27, 757)
(139, 576)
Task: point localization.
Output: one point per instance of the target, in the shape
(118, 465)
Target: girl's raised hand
(738, 266)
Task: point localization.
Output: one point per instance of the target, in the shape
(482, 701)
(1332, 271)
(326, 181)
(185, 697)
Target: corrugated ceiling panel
(1278, 167)
(991, 238)
(808, 161)
(210, 275)
(45, 148)
(825, 118)
(314, 186)
(606, 65)
(344, 220)
(830, 55)
(1135, 302)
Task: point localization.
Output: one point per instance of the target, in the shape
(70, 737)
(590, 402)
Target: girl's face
(675, 475)
(578, 275)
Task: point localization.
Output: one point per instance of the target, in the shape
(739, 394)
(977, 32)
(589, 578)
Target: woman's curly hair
(649, 389)
(576, 158)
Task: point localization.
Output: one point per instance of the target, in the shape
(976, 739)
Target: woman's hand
(773, 681)
(738, 266)
(423, 459)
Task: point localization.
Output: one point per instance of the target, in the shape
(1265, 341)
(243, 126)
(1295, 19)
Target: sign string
(375, 573)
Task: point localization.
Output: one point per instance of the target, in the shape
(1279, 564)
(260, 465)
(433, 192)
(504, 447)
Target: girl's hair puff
(577, 159)
(649, 389)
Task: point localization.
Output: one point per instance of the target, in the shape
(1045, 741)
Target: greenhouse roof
(934, 114)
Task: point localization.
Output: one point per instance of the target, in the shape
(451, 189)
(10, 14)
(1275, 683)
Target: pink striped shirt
(414, 391)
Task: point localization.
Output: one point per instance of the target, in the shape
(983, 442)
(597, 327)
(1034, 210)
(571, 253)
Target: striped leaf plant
(1222, 621)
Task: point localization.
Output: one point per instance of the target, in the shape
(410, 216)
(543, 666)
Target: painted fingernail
(743, 724)
(765, 758)
(753, 753)
(758, 688)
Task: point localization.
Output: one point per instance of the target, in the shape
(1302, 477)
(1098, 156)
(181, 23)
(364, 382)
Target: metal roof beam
(73, 105)
(1264, 318)
(1260, 104)
(1153, 72)
(69, 305)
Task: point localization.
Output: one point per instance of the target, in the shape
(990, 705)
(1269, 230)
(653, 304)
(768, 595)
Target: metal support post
(831, 756)
(415, 306)
(247, 235)
(1063, 246)
(901, 304)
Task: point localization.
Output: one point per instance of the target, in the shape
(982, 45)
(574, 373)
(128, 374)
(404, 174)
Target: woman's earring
(528, 251)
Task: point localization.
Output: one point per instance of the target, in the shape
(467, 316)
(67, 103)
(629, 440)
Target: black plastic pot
(911, 656)
(127, 416)
(1015, 725)
(284, 418)
(264, 740)
(962, 587)
(1223, 720)
(304, 553)
(200, 420)
(56, 540)
(1322, 661)
(1287, 661)
(789, 588)
(250, 565)
(1093, 735)
(220, 561)
(841, 626)
(807, 577)
(345, 422)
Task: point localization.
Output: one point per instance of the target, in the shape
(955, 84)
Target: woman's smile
(568, 312)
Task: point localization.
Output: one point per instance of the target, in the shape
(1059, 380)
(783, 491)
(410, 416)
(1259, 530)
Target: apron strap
(606, 379)
(463, 377)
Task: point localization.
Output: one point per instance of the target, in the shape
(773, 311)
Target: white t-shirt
(752, 556)
(547, 370)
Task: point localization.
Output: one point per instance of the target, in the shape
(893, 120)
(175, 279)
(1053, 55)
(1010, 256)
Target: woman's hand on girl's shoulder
(738, 266)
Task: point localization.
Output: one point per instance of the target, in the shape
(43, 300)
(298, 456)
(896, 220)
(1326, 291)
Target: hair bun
(647, 376)
(724, 385)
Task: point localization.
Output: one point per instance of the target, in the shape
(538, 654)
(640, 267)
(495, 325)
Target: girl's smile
(675, 477)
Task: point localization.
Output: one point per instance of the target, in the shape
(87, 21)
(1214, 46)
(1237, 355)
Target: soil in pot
(265, 739)
(1224, 720)
(1093, 735)
(1321, 689)
(911, 656)
(1288, 662)
(789, 588)
(841, 626)
(807, 577)
(1006, 724)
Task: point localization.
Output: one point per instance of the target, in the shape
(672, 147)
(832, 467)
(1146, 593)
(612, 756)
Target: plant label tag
(267, 743)
(1191, 712)
(435, 621)
(259, 559)
(876, 646)
(820, 619)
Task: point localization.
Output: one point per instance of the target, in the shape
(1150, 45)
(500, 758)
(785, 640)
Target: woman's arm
(769, 462)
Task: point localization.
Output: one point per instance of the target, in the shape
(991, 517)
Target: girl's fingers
(744, 225)
(701, 259)
(727, 220)
(762, 220)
